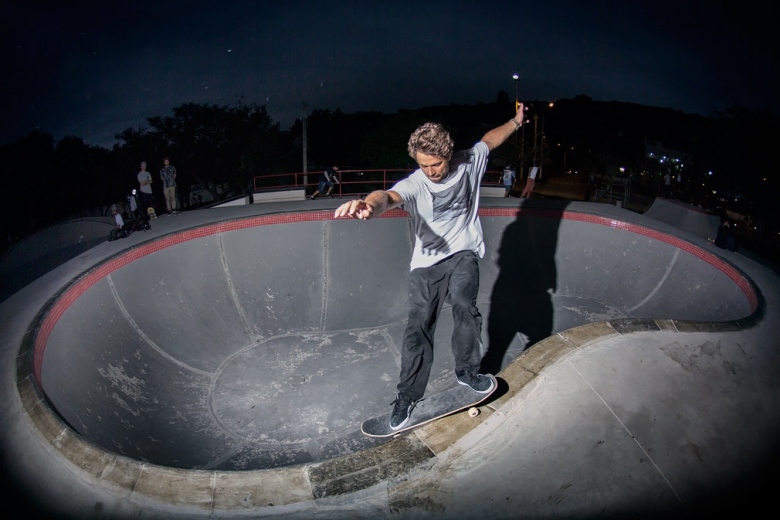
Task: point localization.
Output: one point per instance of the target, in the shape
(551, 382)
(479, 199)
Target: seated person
(119, 231)
(725, 239)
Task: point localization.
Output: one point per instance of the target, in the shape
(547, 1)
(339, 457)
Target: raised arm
(498, 135)
(375, 203)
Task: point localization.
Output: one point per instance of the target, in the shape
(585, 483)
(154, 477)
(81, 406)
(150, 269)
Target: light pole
(517, 105)
(536, 120)
(522, 148)
(304, 140)
(305, 146)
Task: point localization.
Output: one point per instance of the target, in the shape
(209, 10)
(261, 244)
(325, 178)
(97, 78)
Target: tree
(211, 144)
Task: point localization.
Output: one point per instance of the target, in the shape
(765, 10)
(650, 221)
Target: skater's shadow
(521, 307)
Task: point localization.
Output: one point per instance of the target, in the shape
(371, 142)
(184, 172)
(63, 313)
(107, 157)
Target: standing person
(145, 193)
(327, 178)
(168, 176)
(529, 184)
(442, 199)
(132, 204)
(679, 187)
(508, 178)
(667, 186)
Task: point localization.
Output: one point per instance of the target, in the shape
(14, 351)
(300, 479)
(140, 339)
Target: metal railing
(351, 182)
(619, 189)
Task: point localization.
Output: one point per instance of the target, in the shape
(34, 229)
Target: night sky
(92, 69)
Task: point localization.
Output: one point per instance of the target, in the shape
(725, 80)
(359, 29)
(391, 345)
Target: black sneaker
(401, 410)
(477, 382)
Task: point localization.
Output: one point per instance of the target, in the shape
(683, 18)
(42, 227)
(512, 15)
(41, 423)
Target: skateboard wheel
(473, 411)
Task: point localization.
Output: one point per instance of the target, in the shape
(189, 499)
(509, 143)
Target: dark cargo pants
(457, 276)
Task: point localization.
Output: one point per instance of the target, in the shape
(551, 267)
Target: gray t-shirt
(444, 215)
(144, 175)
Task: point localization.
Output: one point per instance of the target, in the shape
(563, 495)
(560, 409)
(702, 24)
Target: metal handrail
(365, 181)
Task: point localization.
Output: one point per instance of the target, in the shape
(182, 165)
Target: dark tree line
(50, 180)
(210, 144)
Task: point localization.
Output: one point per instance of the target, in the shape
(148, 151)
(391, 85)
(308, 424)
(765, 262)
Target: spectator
(725, 238)
(508, 177)
(132, 206)
(168, 176)
(145, 193)
(119, 228)
(667, 186)
(530, 183)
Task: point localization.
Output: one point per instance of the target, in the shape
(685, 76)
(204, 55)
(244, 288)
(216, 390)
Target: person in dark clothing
(327, 179)
(725, 238)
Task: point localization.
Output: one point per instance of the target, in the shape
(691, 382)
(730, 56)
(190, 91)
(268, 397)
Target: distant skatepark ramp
(685, 217)
(264, 341)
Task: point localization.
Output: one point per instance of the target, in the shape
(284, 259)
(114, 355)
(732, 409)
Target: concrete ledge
(279, 196)
(695, 326)
(491, 192)
(366, 468)
(241, 201)
(581, 336)
(628, 326)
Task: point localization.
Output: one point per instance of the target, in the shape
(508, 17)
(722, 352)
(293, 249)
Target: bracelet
(515, 122)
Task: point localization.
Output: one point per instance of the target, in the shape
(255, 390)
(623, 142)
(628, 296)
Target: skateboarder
(327, 180)
(442, 198)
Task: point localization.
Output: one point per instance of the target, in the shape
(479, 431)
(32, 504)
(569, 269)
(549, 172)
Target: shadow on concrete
(521, 307)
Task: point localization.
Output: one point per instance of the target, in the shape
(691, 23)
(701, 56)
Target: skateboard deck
(429, 409)
(151, 213)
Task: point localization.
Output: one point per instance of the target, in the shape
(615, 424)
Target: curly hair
(431, 139)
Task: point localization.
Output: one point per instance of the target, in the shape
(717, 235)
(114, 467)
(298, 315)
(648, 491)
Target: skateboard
(152, 214)
(429, 409)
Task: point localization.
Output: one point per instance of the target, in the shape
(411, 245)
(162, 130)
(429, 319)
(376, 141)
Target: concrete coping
(234, 491)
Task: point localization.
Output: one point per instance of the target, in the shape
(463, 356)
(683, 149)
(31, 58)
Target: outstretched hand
(529, 188)
(520, 115)
(358, 209)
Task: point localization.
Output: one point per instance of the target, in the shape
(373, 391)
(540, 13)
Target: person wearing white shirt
(442, 199)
